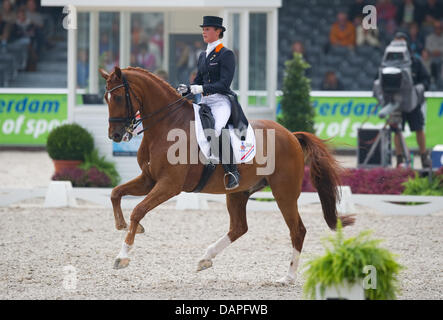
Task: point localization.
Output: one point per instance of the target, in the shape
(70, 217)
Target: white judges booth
(164, 36)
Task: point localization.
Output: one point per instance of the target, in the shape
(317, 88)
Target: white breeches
(220, 108)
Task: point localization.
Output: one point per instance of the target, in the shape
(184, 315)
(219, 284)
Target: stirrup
(236, 180)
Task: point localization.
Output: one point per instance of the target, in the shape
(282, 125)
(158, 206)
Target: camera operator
(415, 118)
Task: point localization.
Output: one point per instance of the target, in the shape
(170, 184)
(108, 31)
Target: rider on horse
(216, 67)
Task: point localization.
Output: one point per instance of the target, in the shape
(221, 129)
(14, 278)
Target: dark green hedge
(69, 142)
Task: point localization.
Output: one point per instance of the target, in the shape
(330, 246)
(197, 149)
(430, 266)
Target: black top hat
(212, 21)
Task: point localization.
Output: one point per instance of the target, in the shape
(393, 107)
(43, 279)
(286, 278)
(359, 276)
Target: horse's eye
(118, 99)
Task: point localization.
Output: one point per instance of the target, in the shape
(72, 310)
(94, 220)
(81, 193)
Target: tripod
(394, 120)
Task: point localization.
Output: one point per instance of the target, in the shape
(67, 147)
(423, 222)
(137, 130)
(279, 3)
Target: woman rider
(216, 68)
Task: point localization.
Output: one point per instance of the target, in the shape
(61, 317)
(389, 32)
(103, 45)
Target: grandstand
(32, 51)
(307, 22)
(310, 22)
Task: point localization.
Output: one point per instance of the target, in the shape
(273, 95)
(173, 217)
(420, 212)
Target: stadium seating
(310, 23)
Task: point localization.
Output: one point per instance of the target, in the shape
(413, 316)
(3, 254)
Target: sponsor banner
(339, 118)
(27, 119)
(127, 149)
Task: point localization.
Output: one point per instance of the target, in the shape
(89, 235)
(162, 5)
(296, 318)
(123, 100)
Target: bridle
(131, 122)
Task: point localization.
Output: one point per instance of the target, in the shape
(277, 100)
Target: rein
(131, 122)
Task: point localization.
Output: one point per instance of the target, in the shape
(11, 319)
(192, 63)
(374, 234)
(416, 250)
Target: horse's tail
(324, 176)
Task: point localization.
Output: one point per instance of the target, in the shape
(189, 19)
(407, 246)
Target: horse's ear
(104, 74)
(118, 72)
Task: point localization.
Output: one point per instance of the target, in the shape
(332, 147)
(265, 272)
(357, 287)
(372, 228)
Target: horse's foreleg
(161, 192)
(236, 203)
(139, 186)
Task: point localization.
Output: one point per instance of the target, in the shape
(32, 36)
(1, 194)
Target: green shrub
(345, 260)
(297, 113)
(69, 142)
(93, 160)
(423, 186)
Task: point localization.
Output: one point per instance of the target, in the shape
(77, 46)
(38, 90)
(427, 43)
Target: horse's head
(122, 108)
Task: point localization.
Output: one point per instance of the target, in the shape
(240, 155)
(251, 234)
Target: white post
(125, 39)
(72, 72)
(226, 22)
(244, 60)
(166, 27)
(93, 52)
(272, 57)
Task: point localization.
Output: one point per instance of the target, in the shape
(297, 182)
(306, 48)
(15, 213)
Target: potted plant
(67, 146)
(351, 269)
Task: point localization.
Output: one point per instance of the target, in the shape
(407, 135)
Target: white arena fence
(384, 204)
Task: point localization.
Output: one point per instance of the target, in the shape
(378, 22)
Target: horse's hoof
(121, 263)
(204, 264)
(286, 280)
(140, 229)
(122, 227)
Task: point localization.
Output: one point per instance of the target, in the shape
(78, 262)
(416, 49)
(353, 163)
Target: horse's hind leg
(287, 202)
(236, 203)
(139, 186)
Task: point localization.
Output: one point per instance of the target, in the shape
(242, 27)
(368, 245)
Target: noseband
(131, 122)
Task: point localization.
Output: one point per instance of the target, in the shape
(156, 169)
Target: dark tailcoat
(215, 74)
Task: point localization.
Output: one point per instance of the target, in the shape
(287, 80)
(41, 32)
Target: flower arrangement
(345, 262)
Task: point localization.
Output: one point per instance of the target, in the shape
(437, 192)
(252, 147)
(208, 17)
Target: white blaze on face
(109, 96)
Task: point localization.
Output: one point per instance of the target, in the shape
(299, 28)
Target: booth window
(257, 57)
(235, 46)
(83, 50)
(147, 42)
(109, 35)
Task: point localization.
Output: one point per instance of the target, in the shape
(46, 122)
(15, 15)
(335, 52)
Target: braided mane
(155, 77)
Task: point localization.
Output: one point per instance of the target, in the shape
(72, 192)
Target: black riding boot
(232, 176)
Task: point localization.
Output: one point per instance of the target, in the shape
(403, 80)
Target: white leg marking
(217, 247)
(290, 277)
(124, 251)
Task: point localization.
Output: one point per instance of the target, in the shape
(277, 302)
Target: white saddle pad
(244, 151)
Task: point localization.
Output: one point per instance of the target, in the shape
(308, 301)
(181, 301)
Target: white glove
(196, 89)
(182, 88)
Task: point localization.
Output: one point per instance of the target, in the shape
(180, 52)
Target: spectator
(157, 38)
(104, 43)
(365, 36)
(3, 32)
(386, 14)
(331, 82)
(82, 68)
(9, 15)
(108, 60)
(434, 44)
(342, 32)
(145, 58)
(426, 58)
(356, 9)
(416, 43)
(36, 20)
(407, 13)
(297, 47)
(162, 74)
(24, 32)
(431, 12)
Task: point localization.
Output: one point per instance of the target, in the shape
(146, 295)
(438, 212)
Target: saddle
(237, 120)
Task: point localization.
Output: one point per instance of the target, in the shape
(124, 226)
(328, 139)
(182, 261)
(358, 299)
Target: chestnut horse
(163, 109)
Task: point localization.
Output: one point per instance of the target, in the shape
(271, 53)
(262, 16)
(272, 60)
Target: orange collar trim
(219, 47)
